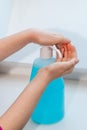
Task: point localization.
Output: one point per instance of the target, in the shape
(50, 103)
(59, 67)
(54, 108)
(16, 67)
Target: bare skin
(20, 111)
(13, 43)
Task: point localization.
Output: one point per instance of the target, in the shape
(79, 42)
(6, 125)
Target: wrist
(45, 74)
(33, 34)
(49, 73)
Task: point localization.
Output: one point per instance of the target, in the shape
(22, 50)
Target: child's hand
(46, 38)
(65, 65)
(69, 59)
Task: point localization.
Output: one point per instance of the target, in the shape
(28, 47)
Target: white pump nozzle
(58, 51)
(47, 52)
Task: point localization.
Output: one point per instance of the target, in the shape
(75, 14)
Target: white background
(5, 13)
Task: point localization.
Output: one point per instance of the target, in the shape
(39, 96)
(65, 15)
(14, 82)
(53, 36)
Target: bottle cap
(47, 52)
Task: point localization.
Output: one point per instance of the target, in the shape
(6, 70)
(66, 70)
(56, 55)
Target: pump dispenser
(46, 52)
(50, 107)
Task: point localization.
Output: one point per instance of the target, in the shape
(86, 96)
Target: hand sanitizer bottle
(50, 107)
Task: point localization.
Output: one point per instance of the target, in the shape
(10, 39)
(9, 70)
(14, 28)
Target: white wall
(5, 12)
(68, 17)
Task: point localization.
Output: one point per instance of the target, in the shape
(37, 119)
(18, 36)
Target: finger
(65, 53)
(72, 51)
(69, 71)
(62, 51)
(69, 51)
(59, 46)
(71, 63)
(64, 66)
(58, 59)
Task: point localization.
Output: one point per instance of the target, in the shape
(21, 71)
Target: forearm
(18, 114)
(15, 42)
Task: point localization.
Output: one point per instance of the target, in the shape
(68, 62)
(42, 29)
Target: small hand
(69, 60)
(46, 38)
(65, 65)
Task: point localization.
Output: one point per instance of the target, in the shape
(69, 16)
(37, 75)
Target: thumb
(71, 63)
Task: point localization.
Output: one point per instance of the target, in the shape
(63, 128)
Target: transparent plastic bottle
(50, 107)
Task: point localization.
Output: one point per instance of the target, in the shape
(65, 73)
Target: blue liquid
(50, 107)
